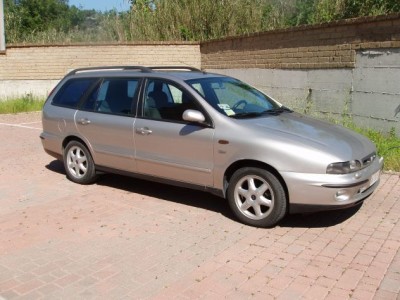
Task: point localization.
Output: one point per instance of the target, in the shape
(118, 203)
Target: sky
(102, 5)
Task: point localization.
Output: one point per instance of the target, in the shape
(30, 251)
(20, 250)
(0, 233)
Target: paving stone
(124, 238)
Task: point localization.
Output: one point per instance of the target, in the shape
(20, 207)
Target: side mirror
(194, 116)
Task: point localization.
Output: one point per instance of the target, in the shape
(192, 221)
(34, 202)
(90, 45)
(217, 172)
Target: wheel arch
(246, 163)
(78, 139)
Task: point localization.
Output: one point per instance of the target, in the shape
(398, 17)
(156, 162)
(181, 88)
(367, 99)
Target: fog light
(342, 195)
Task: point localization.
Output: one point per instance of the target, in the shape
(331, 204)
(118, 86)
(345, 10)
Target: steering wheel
(237, 104)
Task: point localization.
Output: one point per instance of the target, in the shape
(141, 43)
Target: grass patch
(388, 145)
(23, 104)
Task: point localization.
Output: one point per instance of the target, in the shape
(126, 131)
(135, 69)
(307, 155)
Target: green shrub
(388, 145)
(23, 104)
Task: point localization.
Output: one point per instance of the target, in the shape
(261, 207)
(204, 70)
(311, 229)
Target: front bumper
(318, 192)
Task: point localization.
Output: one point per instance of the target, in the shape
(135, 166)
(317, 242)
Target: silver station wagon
(182, 126)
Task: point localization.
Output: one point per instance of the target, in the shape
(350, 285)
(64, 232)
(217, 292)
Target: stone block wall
(325, 46)
(36, 69)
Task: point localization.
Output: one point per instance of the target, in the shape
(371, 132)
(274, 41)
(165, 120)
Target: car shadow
(208, 201)
(319, 219)
(185, 196)
(56, 166)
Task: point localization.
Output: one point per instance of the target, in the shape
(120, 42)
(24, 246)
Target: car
(186, 127)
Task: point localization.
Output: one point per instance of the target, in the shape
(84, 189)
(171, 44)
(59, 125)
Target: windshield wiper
(252, 114)
(277, 111)
(246, 115)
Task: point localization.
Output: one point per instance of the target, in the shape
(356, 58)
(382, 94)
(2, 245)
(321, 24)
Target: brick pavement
(124, 238)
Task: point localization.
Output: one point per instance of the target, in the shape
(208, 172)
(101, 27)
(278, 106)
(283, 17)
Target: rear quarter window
(72, 91)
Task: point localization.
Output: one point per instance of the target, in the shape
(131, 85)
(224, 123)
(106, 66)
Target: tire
(257, 197)
(78, 163)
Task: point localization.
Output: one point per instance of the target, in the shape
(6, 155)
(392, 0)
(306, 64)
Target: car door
(106, 121)
(166, 146)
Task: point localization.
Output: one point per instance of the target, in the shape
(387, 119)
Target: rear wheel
(78, 163)
(257, 197)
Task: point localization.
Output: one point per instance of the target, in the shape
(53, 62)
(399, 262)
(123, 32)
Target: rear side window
(72, 91)
(114, 96)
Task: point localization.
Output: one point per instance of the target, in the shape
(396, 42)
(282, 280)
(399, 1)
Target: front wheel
(78, 163)
(257, 197)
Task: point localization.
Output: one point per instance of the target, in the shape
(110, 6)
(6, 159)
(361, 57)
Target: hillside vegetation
(49, 21)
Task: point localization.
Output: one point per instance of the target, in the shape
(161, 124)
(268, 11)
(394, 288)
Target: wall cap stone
(133, 44)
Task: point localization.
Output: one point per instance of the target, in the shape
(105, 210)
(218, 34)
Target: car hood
(294, 128)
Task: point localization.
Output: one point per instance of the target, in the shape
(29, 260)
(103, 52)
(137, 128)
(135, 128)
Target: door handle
(84, 121)
(144, 131)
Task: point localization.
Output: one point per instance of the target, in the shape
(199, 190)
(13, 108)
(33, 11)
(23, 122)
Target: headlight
(344, 167)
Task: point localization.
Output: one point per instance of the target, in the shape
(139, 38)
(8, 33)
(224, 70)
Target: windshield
(233, 98)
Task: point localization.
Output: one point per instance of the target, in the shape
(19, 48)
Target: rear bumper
(319, 192)
(51, 145)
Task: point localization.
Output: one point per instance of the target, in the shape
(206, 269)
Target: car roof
(173, 72)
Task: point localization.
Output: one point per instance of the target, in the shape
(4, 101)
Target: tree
(27, 17)
(41, 15)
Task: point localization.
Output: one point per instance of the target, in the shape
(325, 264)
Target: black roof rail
(176, 68)
(141, 68)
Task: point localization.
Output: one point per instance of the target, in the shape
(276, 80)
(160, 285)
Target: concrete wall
(36, 69)
(348, 68)
(311, 91)
(369, 93)
(375, 95)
